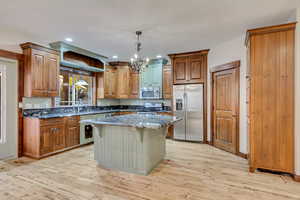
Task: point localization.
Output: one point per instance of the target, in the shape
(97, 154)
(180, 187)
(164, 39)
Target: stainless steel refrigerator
(188, 105)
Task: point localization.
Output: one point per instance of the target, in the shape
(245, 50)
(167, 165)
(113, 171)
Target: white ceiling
(108, 26)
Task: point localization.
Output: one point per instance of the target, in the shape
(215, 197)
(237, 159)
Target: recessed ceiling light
(158, 56)
(115, 57)
(69, 39)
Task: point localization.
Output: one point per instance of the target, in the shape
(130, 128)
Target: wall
(297, 96)
(223, 53)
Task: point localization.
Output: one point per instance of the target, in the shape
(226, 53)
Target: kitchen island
(133, 143)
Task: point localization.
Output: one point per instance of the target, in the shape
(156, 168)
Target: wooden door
(180, 66)
(59, 137)
(196, 69)
(39, 74)
(167, 82)
(46, 139)
(123, 83)
(134, 85)
(225, 109)
(52, 66)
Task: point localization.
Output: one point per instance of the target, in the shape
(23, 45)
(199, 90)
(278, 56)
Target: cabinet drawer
(51, 121)
(73, 121)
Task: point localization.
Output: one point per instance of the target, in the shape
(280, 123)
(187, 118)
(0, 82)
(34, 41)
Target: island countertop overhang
(152, 121)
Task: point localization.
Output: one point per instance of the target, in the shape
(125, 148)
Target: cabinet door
(180, 70)
(134, 85)
(167, 82)
(113, 83)
(39, 74)
(100, 85)
(123, 83)
(52, 65)
(196, 69)
(72, 137)
(46, 140)
(59, 137)
(107, 84)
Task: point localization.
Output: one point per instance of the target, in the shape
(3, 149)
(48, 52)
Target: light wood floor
(190, 172)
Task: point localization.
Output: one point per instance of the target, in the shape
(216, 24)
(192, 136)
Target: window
(76, 89)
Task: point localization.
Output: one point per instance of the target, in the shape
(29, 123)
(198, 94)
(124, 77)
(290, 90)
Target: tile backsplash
(108, 102)
(36, 102)
(112, 102)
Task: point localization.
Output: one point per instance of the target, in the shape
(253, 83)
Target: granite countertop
(153, 121)
(69, 114)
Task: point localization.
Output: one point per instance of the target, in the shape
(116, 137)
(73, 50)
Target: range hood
(66, 49)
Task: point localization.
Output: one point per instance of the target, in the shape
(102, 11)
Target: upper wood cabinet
(134, 85)
(271, 77)
(123, 82)
(167, 82)
(190, 67)
(41, 71)
(180, 66)
(110, 82)
(118, 82)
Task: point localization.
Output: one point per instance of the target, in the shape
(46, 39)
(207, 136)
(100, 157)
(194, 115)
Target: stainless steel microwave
(150, 93)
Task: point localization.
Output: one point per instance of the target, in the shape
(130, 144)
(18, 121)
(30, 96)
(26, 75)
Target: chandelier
(137, 63)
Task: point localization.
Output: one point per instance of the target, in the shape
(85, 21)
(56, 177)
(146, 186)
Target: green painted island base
(129, 149)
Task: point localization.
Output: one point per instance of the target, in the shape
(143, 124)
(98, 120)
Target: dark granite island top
(153, 121)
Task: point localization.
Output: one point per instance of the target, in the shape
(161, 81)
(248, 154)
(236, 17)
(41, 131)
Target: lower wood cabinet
(46, 142)
(43, 137)
(72, 131)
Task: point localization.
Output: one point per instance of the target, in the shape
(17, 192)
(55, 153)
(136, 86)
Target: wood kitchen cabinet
(271, 97)
(44, 137)
(106, 83)
(118, 82)
(41, 71)
(123, 82)
(190, 67)
(110, 83)
(134, 85)
(167, 82)
(46, 141)
(72, 131)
